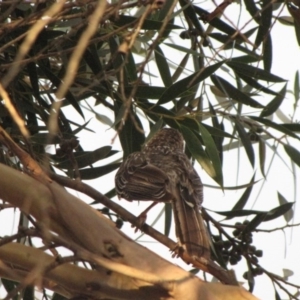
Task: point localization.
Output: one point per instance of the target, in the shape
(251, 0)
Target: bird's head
(167, 137)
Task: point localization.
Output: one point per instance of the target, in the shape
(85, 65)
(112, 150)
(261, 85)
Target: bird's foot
(177, 250)
(141, 220)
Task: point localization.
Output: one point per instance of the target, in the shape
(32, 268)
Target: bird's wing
(137, 179)
(191, 187)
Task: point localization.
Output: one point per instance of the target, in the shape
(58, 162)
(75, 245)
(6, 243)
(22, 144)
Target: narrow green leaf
(296, 88)
(213, 153)
(233, 92)
(186, 98)
(216, 22)
(279, 211)
(255, 84)
(294, 11)
(262, 155)
(245, 59)
(180, 68)
(163, 66)
(197, 150)
(279, 127)
(130, 67)
(81, 127)
(244, 198)
(292, 126)
(286, 20)
(226, 40)
(183, 85)
(277, 297)
(264, 215)
(268, 53)
(273, 105)
(265, 22)
(56, 81)
(293, 153)
(92, 59)
(159, 111)
(119, 59)
(119, 114)
(130, 21)
(87, 158)
(254, 72)
(245, 141)
(288, 216)
(44, 138)
(255, 222)
(190, 13)
(130, 136)
(104, 119)
(252, 9)
(147, 92)
(191, 123)
(110, 194)
(218, 132)
(219, 127)
(92, 173)
(297, 30)
(238, 213)
(103, 88)
(182, 49)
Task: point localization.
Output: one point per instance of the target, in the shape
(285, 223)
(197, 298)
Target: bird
(162, 172)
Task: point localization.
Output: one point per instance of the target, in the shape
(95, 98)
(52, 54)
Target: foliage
(216, 87)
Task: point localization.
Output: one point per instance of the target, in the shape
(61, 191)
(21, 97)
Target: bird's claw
(140, 221)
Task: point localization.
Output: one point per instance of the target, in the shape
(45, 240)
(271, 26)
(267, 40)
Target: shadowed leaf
(244, 198)
(245, 141)
(234, 93)
(262, 155)
(87, 158)
(273, 105)
(92, 173)
(265, 22)
(183, 85)
(254, 72)
(263, 215)
(288, 216)
(293, 153)
(212, 151)
(279, 127)
(163, 66)
(197, 151)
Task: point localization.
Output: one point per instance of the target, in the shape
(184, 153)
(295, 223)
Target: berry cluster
(233, 250)
(66, 147)
(230, 253)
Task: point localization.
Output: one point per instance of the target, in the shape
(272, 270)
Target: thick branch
(76, 221)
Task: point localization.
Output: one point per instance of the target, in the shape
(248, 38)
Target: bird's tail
(190, 229)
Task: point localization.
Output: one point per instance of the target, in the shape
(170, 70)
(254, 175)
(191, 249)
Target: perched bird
(162, 172)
